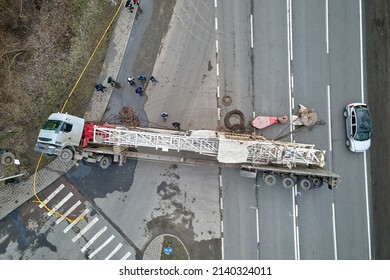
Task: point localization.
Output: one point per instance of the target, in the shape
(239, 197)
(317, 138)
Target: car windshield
(363, 132)
(52, 125)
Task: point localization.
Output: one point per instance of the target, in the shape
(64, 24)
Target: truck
(72, 138)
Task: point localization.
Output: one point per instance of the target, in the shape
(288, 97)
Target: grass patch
(178, 253)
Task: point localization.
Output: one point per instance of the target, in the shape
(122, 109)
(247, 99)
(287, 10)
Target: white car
(358, 125)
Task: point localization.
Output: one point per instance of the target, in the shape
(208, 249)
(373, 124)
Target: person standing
(164, 115)
(153, 80)
(139, 90)
(130, 80)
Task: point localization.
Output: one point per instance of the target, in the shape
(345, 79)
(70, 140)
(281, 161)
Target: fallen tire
(232, 113)
(7, 158)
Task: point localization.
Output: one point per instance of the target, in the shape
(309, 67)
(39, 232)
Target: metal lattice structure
(259, 152)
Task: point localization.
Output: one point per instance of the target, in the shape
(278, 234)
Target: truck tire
(305, 183)
(7, 158)
(288, 182)
(105, 162)
(317, 182)
(270, 179)
(66, 155)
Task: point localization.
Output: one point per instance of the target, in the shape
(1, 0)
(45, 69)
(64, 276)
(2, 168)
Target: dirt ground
(44, 45)
(378, 80)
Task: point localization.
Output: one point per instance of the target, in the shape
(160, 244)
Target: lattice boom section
(124, 137)
(287, 154)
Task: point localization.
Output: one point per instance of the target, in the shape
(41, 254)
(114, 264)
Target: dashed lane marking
(85, 229)
(113, 251)
(101, 247)
(53, 194)
(59, 204)
(96, 236)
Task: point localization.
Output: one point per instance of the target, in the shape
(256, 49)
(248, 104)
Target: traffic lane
(185, 68)
(310, 68)
(344, 42)
(311, 77)
(270, 63)
(42, 234)
(234, 56)
(276, 220)
(239, 216)
(169, 198)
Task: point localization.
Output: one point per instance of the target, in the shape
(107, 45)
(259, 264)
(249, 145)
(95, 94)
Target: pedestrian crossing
(97, 234)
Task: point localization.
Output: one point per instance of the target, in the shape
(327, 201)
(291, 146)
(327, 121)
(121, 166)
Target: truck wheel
(288, 182)
(270, 179)
(7, 158)
(66, 155)
(305, 183)
(105, 162)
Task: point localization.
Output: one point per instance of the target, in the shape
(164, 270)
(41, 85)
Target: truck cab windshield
(52, 125)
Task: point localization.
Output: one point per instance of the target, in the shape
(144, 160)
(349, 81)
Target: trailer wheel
(270, 179)
(66, 155)
(288, 182)
(105, 162)
(305, 183)
(7, 158)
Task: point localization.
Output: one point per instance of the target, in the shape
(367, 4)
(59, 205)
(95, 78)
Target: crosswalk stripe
(85, 229)
(59, 204)
(68, 212)
(101, 247)
(125, 257)
(85, 212)
(53, 194)
(96, 236)
(113, 251)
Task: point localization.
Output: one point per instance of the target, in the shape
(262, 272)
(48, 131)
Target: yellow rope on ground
(62, 110)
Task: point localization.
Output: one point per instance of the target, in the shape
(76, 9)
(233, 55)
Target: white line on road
(292, 103)
(215, 3)
(221, 202)
(222, 247)
(68, 212)
(364, 156)
(327, 25)
(53, 194)
(216, 23)
(292, 82)
(96, 236)
(299, 253)
(76, 220)
(216, 46)
(329, 119)
(217, 69)
(219, 113)
(113, 251)
(257, 225)
(252, 31)
(296, 210)
(334, 232)
(85, 229)
(218, 91)
(59, 204)
(289, 23)
(296, 248)
(126, 256)
(221, 226)
(101, 247)
(253, 114)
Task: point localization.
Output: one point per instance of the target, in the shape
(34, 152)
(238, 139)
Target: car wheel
(345, 113)
(348, 143)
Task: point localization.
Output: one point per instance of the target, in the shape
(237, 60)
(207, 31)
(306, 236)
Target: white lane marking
(334, 232)
(216, 23)
(257, 225)
(215, 3)
(85, 229)
(299, 253)
(296, 210)
(252, 31)
(292, 82)
(292, 103)
(114, 251)
(59, 204)
(289, 14)
(329, 119)
(216, 46)
(218, 91)
(253, 114)
(327, 25)
(53, 194)
(364, 156)
(296, 248)
(68, 212)
(101, 247)
(217, 69)
(221, 226)
(76, 221)
(96, 236)
(219, 113)
(223, 248)
(4, 238)
(221, 203)
(126, 256)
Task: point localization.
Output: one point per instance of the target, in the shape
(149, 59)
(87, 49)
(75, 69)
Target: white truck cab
(59, 135)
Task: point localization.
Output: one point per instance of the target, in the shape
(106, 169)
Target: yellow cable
(62, 110)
